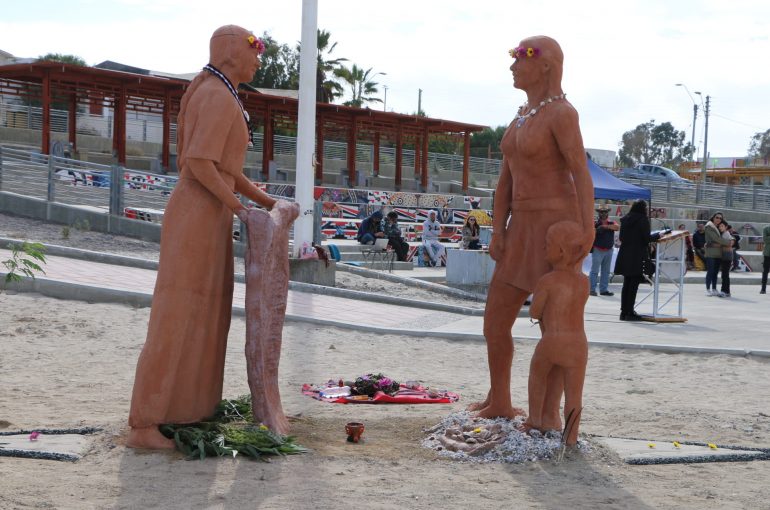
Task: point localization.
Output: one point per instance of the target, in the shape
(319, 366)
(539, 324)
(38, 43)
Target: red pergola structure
(51, 82)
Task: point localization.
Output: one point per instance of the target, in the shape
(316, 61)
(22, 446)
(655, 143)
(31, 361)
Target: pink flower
(34, 436)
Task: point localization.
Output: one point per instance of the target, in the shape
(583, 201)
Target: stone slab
(47, 446)
(469, 267)
(639, 451)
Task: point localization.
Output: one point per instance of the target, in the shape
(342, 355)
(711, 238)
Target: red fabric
(403, 396)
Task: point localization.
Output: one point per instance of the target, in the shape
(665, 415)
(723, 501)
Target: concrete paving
(641, 451)
(737, 325)
(45, 446)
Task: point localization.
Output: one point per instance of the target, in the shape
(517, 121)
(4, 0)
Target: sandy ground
(70, 364)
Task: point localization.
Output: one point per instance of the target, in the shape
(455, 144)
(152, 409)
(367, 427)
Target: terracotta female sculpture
(561, 355)
(180, 371)
(544, 180)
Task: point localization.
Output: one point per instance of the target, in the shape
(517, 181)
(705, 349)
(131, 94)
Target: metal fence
(748, 198)
(145, 127)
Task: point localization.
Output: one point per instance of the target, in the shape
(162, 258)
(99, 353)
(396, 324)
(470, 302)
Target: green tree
(657, 144)
(361, 83)
(65, 59)
(760, 145)
(280, 66)
(487, 143)
(327, 88)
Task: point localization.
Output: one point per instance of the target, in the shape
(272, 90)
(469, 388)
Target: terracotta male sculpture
(561, 355)
(267, 287)
(544, 180)
(180, 371)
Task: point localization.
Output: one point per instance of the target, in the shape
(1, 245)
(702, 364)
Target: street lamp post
(385, 102)
(706, 110)
(694, 113)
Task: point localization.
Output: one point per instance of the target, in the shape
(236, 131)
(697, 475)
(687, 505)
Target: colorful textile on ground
(409, 393)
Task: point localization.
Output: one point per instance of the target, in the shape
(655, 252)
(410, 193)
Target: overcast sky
(622, 58)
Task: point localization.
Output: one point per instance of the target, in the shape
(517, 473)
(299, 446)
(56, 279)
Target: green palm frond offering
(229, 432)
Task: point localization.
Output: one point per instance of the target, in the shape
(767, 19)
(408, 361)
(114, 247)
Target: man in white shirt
(430, 230)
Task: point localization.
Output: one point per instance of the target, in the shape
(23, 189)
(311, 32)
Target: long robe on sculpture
(179, 374)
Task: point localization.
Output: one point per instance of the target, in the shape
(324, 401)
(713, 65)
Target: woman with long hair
(471, 233)
(713, 251)
(635, 239)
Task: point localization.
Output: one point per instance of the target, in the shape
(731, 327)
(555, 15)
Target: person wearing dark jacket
(635, 238)
(370, 229)
(393, 233)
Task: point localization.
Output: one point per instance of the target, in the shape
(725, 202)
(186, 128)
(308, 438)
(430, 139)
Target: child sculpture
(561, 355)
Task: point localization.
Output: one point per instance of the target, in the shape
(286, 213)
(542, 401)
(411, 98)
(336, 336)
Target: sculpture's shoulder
(563, 110)
(213, 94)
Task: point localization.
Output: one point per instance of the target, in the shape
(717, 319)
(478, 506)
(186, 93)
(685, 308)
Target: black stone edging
(80, 430)
(29, 454)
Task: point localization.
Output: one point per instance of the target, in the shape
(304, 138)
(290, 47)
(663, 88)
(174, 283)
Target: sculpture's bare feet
(527, 426)
(501, 411)
(478, 406)
(551, 423)
(277, 423)
(149, 438)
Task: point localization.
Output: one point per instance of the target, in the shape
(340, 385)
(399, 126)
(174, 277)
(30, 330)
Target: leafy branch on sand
(23, 259)
(228, 432)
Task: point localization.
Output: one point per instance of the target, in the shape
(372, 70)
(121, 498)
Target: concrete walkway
(739, 325)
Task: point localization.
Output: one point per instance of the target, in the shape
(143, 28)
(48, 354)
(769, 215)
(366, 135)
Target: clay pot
(354, 430)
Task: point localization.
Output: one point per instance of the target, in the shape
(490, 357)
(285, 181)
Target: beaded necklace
(521, 119)
(216, 72)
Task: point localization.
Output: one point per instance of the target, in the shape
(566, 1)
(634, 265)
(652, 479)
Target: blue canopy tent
(609, 187)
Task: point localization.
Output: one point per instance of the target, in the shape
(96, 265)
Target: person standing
(736, 246)
(601, 253)
(699, 241)
(689, 252)
(635, 239)
(727, 260)
(766, 258)
(430, 231)
(713, 251)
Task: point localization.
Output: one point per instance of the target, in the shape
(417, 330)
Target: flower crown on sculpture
(257, 44)
(521, 52)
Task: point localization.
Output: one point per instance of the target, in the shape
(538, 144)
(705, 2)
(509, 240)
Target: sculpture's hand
(242, 214)
(497, 247)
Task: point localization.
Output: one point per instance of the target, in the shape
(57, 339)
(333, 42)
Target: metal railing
(741, 197)
(148, 127)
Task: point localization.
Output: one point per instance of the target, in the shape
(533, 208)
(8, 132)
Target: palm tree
(362, 85)
(327, 89)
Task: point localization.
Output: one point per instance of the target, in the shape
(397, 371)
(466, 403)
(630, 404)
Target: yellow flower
(530, 52)
(477, 430)
(712, 446)
(676, 444)
(651, 445)
(251, 39)
(512, 53)
(263, 427)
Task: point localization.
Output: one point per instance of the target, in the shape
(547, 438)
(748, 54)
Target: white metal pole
(303, 227)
